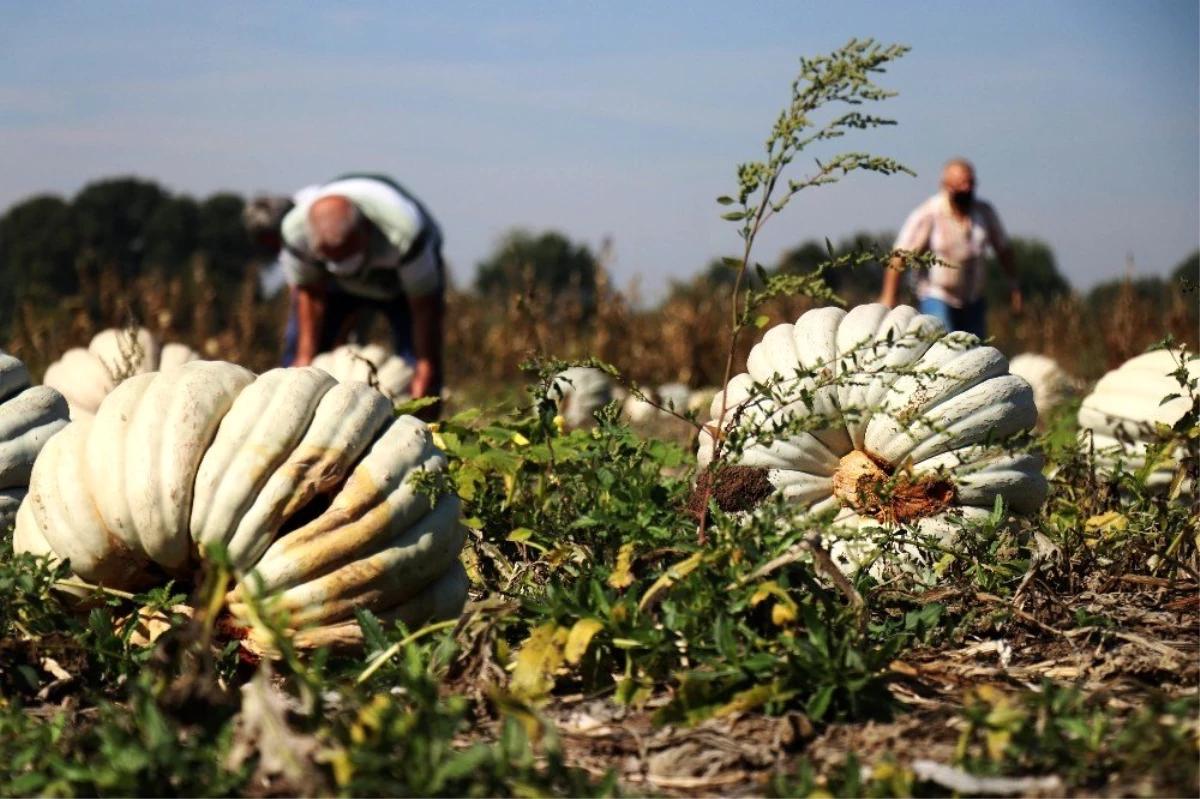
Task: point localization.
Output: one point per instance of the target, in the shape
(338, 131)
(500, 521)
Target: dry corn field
(681, 340)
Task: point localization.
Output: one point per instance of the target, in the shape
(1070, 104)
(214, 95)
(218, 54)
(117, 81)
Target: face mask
(962, 200)
(347, 266)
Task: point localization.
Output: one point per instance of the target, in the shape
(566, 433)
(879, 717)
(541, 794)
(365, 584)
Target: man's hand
(310, 317)
(891, 282)
(422, 386)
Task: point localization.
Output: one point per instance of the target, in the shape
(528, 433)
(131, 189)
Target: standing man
(363, 243)
(956, 227)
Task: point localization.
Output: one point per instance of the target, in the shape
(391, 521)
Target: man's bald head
(958, 181)
(958, 175)
(337, 227)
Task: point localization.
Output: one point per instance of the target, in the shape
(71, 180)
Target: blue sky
(621, 119)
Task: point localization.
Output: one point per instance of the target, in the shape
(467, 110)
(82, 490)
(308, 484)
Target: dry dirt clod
(735, 488)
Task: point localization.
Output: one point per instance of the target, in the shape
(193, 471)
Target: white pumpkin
(208, 453)
(1120, 415)
(371, 364)
(29, 416)
(86, 376)
(888, 401)
(673, 396)
(1052, 386)
(580, 391)
(701, 399)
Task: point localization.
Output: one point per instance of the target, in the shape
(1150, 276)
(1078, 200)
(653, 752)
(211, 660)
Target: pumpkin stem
(874, 488)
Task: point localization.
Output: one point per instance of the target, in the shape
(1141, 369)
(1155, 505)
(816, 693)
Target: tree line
(49, 245)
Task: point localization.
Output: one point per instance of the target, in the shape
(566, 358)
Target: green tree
(113, 217)
(222, 238)
(1037, 270)
(1150, 288)
(550, 264)
(39, 242)
(1187, 273)
(172, 234)
(857, 283)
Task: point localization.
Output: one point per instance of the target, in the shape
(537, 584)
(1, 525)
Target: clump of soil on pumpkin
(735, 488)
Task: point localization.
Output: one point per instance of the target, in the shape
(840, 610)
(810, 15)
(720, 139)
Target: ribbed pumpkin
(306, 481)
(1120, 415)
(580, 391)
(371, 364)
(1052, 386)
(902, 423)
(86, 376)
(29, 416)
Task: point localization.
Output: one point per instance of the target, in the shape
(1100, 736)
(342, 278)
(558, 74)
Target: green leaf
(761, 320)
(373, 635)
(734, 216)
(409, 407)
(724, 200)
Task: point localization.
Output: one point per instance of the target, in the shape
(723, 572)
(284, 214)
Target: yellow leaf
(997, 742)
(784, 610)
(621, 576)
(520, 440)
(579, 638)
(537, 660)
(673, 575)
(343, 767)
(1113, 521)
(438, 441)
(783, 613)
(764, 590)
(520, 534)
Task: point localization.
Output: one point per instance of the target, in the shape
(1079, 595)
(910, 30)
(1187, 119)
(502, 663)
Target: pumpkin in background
(578, 392)
(307, 482)
(903, 423)
(371, 364)
(1119, 417)
(672, 396)
(1052, 386)
(29, 416)
(86, 376)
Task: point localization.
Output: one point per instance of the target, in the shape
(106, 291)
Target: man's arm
(914, 236)
(998, 238)
(310, 318)
(427, 316)
(891, 282)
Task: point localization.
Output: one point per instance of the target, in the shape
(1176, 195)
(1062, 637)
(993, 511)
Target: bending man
(363, 243)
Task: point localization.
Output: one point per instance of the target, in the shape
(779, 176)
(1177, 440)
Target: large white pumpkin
(1119, 417)
(307, 482)
(29, 416)
(903, 425)
(86, 376)
(580, 391)
(1052, 386)
(371, 364)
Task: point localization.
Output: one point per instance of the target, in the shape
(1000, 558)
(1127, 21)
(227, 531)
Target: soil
(735, 488)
